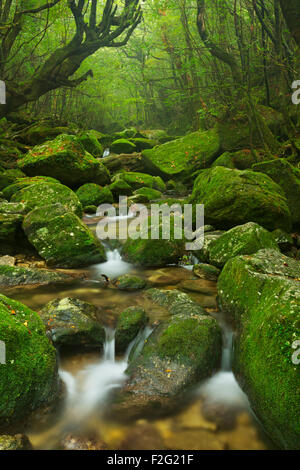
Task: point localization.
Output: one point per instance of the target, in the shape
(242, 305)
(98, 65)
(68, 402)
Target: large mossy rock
(180, 352)
(61, 238)
(29, 378)
(288, 178)
(19, 275)
(130, 322)
(141, 180)
(21, 183)
(149, 193)
(261, 293)
(241, 240)
(154, 252)
(241, 160)
(143, 144)
(90, 143)
(64, 158)
(123, 146)
(92, 194)
(181, 156)
(119, 188)
(233, 197)
(44, 194)
(127, 162)
(73, 322)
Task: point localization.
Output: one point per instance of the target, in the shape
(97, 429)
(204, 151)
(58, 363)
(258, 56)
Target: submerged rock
(18, 276)
(73, 322)
(233, 197)
(64, 158)
(29, 378)
(61, 238)
(206, 271)
(130, 322)
(16, 442)
(241, 240)
(261, 293)
(130, 283)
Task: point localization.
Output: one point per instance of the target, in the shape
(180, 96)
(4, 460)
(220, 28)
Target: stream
(217, 415)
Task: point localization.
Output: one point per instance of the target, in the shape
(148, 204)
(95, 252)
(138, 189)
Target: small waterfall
(113, 267)
(89, 390)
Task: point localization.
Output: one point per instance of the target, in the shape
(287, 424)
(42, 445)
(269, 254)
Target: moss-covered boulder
(29, 377)
(73, 322)
(130, 322)
(174, 301)
(261, 293)
(92, 194)
(288, 178)
(129, 282)
(284, 240)
(209, 238)
(149, 193)
(61, 238)
(9, 154)
(154, 252)
(9, 177)
(181, 156)
(241, 160)
(124, 162)
(120, 188)
(233, 197)
(21, 183)
(241, 240)
(45, 194)
(66, 159)
(159, 135)
(141, 180)
(18, 275)
(179, 353)
(90, 143)
(123, 146)
(17, 442)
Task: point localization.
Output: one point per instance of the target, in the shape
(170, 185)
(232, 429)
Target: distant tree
(94, 29)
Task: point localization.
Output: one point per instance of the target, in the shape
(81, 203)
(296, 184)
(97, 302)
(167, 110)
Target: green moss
(122, 146)
(61, 238)
(91, 194)
(288, 178)
(64, 158)
(21, 183)
(140, 180)
(43, 194)
(149, 193)
(72, 322)
(241, 240)
(18, 275)
(233, 197)
(90, 143)
(130, 322)
(130, 283)
(120, 188)
(261, 292)
(29, 377)
(181, 156)
(143, 144)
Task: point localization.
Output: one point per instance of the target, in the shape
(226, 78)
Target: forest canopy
(180, 64)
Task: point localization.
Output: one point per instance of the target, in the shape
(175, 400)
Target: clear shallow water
(216, 416)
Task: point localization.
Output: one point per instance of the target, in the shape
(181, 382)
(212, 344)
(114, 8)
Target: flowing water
(217, 414)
